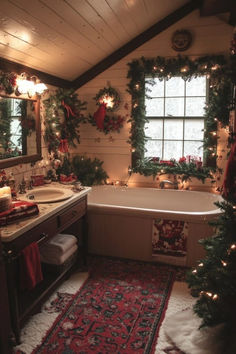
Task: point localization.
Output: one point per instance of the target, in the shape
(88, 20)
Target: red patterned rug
(119, 309)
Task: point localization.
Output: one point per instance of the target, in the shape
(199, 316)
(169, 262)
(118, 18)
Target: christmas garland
(109, 96)
(8, 83)
(62, 119)
(220, 99)
(153, 167)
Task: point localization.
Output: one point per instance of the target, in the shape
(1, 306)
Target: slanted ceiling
(68, 42)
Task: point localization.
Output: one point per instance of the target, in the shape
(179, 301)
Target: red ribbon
(68, 109)
(63, 147)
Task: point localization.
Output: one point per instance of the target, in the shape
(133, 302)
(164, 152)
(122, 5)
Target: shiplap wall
(211, 35)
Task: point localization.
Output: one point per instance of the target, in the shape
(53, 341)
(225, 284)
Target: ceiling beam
(10, 66)
(136, 42)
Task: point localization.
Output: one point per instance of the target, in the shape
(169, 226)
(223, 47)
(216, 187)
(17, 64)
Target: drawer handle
(42, 237)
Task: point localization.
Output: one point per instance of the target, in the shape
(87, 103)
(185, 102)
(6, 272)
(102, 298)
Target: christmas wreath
(62, 119)
(108, 100)
(108, 96)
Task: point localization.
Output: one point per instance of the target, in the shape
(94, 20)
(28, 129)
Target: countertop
(12, 231)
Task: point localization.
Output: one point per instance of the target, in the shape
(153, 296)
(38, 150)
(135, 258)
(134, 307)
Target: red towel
(30, 267)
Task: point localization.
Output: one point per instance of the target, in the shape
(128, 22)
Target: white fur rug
(179, 328)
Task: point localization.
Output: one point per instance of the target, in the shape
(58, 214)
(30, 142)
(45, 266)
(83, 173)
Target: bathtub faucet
(166, 181)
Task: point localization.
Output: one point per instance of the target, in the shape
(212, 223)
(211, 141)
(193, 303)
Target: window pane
(154, 129)
(156, 90)
(154, 148)
(174, 107)
(193, 148)
(173, 129)
(194, 129)
(175, 87)
(195, 106)
(196, 87)
(154, 107)
(172, 150)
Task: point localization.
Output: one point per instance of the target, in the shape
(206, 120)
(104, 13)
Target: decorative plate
(181, 40)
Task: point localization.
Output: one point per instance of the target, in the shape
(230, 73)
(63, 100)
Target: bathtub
(121, 221)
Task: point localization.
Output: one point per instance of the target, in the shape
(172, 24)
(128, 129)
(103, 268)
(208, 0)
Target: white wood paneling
(66, 38)
(117, 155)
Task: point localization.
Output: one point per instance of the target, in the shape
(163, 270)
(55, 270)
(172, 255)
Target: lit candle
(5, 190)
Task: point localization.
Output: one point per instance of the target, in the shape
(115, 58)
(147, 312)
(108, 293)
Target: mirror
(20, 138)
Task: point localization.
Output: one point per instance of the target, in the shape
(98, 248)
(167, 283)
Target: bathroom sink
(48, 195)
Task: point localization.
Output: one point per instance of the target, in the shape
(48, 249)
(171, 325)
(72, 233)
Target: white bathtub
(121, 220)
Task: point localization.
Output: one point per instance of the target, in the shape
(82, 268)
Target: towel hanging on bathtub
(169, 237)
(30, 267)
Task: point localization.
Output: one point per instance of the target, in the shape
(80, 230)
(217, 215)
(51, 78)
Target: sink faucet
(166, 181)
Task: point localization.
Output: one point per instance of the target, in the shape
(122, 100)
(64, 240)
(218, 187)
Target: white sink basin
(48, 195)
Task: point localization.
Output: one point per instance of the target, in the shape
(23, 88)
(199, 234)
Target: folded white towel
(59, 244)
(58, 259)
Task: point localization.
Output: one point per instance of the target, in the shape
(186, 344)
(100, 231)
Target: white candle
(5, 190)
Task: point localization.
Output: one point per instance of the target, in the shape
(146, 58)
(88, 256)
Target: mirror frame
(13, 161)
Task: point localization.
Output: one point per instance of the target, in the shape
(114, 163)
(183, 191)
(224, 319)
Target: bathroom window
(175, 110)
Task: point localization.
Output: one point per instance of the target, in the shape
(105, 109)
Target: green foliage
(89, 172)
(220, 82)
(214, 279)
(111, 123)
(111, 92)
(63, 117)
(150, 167)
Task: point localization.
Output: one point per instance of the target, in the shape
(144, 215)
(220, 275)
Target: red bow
(68, 109)
(63, 146)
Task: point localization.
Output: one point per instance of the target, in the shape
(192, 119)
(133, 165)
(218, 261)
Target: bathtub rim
(153, 213)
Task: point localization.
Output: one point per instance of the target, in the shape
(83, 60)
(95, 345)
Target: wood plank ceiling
(67, 38)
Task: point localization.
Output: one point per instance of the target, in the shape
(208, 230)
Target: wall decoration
(63, 115)
(108, 96)
(181, 40)
(219, 74)
(107, 99)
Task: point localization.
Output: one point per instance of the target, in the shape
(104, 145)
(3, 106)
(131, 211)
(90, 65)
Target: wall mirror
(20, 137)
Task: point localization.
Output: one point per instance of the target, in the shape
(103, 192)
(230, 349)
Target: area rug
(119, 309)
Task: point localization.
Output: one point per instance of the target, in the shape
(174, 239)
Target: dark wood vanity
(67, 217)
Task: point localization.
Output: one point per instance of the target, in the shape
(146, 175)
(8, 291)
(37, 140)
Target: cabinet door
(5, 325)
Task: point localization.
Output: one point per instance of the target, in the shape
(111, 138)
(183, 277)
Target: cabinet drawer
(73, 213)
(41, 233)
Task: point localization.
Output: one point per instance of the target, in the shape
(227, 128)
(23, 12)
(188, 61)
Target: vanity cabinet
(68, 219)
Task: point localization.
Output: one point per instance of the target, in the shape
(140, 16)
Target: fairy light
(214, 133)
(209, 294)
(137, 86)
(194, 271)
(215, 119)
(155, 68)
(133, 150)
(162, 171)
(224, 263)
(233, 246)
(135, 105)
(200, 265)
(215, 67)
(215, 297)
